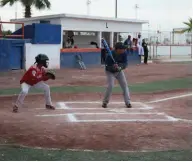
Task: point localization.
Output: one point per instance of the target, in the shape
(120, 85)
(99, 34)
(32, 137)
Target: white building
(88, 28)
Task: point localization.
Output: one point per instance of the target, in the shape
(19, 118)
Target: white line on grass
(169, 98)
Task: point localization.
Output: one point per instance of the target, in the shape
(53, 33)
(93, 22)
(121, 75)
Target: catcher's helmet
(42, 59)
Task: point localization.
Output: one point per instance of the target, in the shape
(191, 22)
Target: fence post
(153, 51)
(170, 45)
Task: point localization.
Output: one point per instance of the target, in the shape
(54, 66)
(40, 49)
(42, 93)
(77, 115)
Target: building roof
(80, 17)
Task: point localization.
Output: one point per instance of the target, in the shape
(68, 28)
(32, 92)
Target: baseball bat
(108, 49)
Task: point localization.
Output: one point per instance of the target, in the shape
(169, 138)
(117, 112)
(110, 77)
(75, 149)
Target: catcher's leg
(24, 91)
(110, 84)
(123, 83)
(46, 89)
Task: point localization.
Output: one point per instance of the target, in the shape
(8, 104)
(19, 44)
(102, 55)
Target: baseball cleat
(15, 109)
(104, 105)
(50, 107)
(128, 105)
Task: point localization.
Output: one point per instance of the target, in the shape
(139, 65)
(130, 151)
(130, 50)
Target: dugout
(50, 34)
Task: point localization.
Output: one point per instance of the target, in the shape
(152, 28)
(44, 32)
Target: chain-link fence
(165, 44)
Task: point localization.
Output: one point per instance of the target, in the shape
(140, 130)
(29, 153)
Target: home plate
(118, 110)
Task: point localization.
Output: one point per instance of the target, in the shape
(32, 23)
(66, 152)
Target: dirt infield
(144, 127)
(96, 76)
(157, 121)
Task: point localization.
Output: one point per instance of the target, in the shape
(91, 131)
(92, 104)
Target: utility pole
(136, 10)
(16, 10)
(88, 6)
(115, 8)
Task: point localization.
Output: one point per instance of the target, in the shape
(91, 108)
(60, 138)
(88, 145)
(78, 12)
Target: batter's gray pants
(123, 83)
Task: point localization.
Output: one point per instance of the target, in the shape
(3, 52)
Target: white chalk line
(97, 108)
(72, 118)
(103, 113)
(96, 102)
(62, 105)
(125, 120)
(169, 98)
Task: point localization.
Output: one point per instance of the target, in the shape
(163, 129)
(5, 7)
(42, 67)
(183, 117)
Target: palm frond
(189, 26)
(5, 2)
(42, 4)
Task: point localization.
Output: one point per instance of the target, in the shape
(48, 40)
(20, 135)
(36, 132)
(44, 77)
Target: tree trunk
(27, 11)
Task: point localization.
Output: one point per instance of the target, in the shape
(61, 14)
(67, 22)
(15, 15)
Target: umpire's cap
(120, 45)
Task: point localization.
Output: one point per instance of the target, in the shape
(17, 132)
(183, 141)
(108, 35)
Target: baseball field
(157, 127)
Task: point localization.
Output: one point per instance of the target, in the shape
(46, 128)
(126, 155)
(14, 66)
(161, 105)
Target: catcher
(35, 77)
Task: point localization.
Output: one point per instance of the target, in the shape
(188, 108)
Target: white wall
(84, 41)
(52, 51)
(98, 25)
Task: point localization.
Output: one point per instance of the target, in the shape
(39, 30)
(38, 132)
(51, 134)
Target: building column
(61, 43)
(99, 37)
(117, 37)
(111, 39)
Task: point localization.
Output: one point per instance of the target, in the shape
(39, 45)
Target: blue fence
(42, 33)
(12, 54)
(91, 59)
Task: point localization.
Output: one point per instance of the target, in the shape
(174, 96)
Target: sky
(162, 15)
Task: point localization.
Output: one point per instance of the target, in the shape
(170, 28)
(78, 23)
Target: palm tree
(189, 26)
(39, 4)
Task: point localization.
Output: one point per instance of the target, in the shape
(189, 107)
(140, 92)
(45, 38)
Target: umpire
(115, 70)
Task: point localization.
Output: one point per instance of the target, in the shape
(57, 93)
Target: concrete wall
(98, 25)
(52, 51)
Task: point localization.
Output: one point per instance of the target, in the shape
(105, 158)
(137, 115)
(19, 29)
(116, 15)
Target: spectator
(70, 42)
(139, 39)
(145, 49)
(95, 44)
(139, 46)
(128, 43)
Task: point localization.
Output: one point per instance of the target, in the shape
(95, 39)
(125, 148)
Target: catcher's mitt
(50, 74)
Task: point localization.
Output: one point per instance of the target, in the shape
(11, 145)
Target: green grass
(156, 86)
(29, 154)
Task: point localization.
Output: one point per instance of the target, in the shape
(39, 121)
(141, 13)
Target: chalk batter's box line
(102, 113)
(63, 105)
(72, 117)
(126, 120)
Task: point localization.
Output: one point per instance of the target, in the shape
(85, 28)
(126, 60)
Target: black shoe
(128, 105)
(104, 105)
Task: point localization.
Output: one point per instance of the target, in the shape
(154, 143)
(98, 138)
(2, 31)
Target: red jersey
(34, 75)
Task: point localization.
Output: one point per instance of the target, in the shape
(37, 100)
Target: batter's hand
(117, 67)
